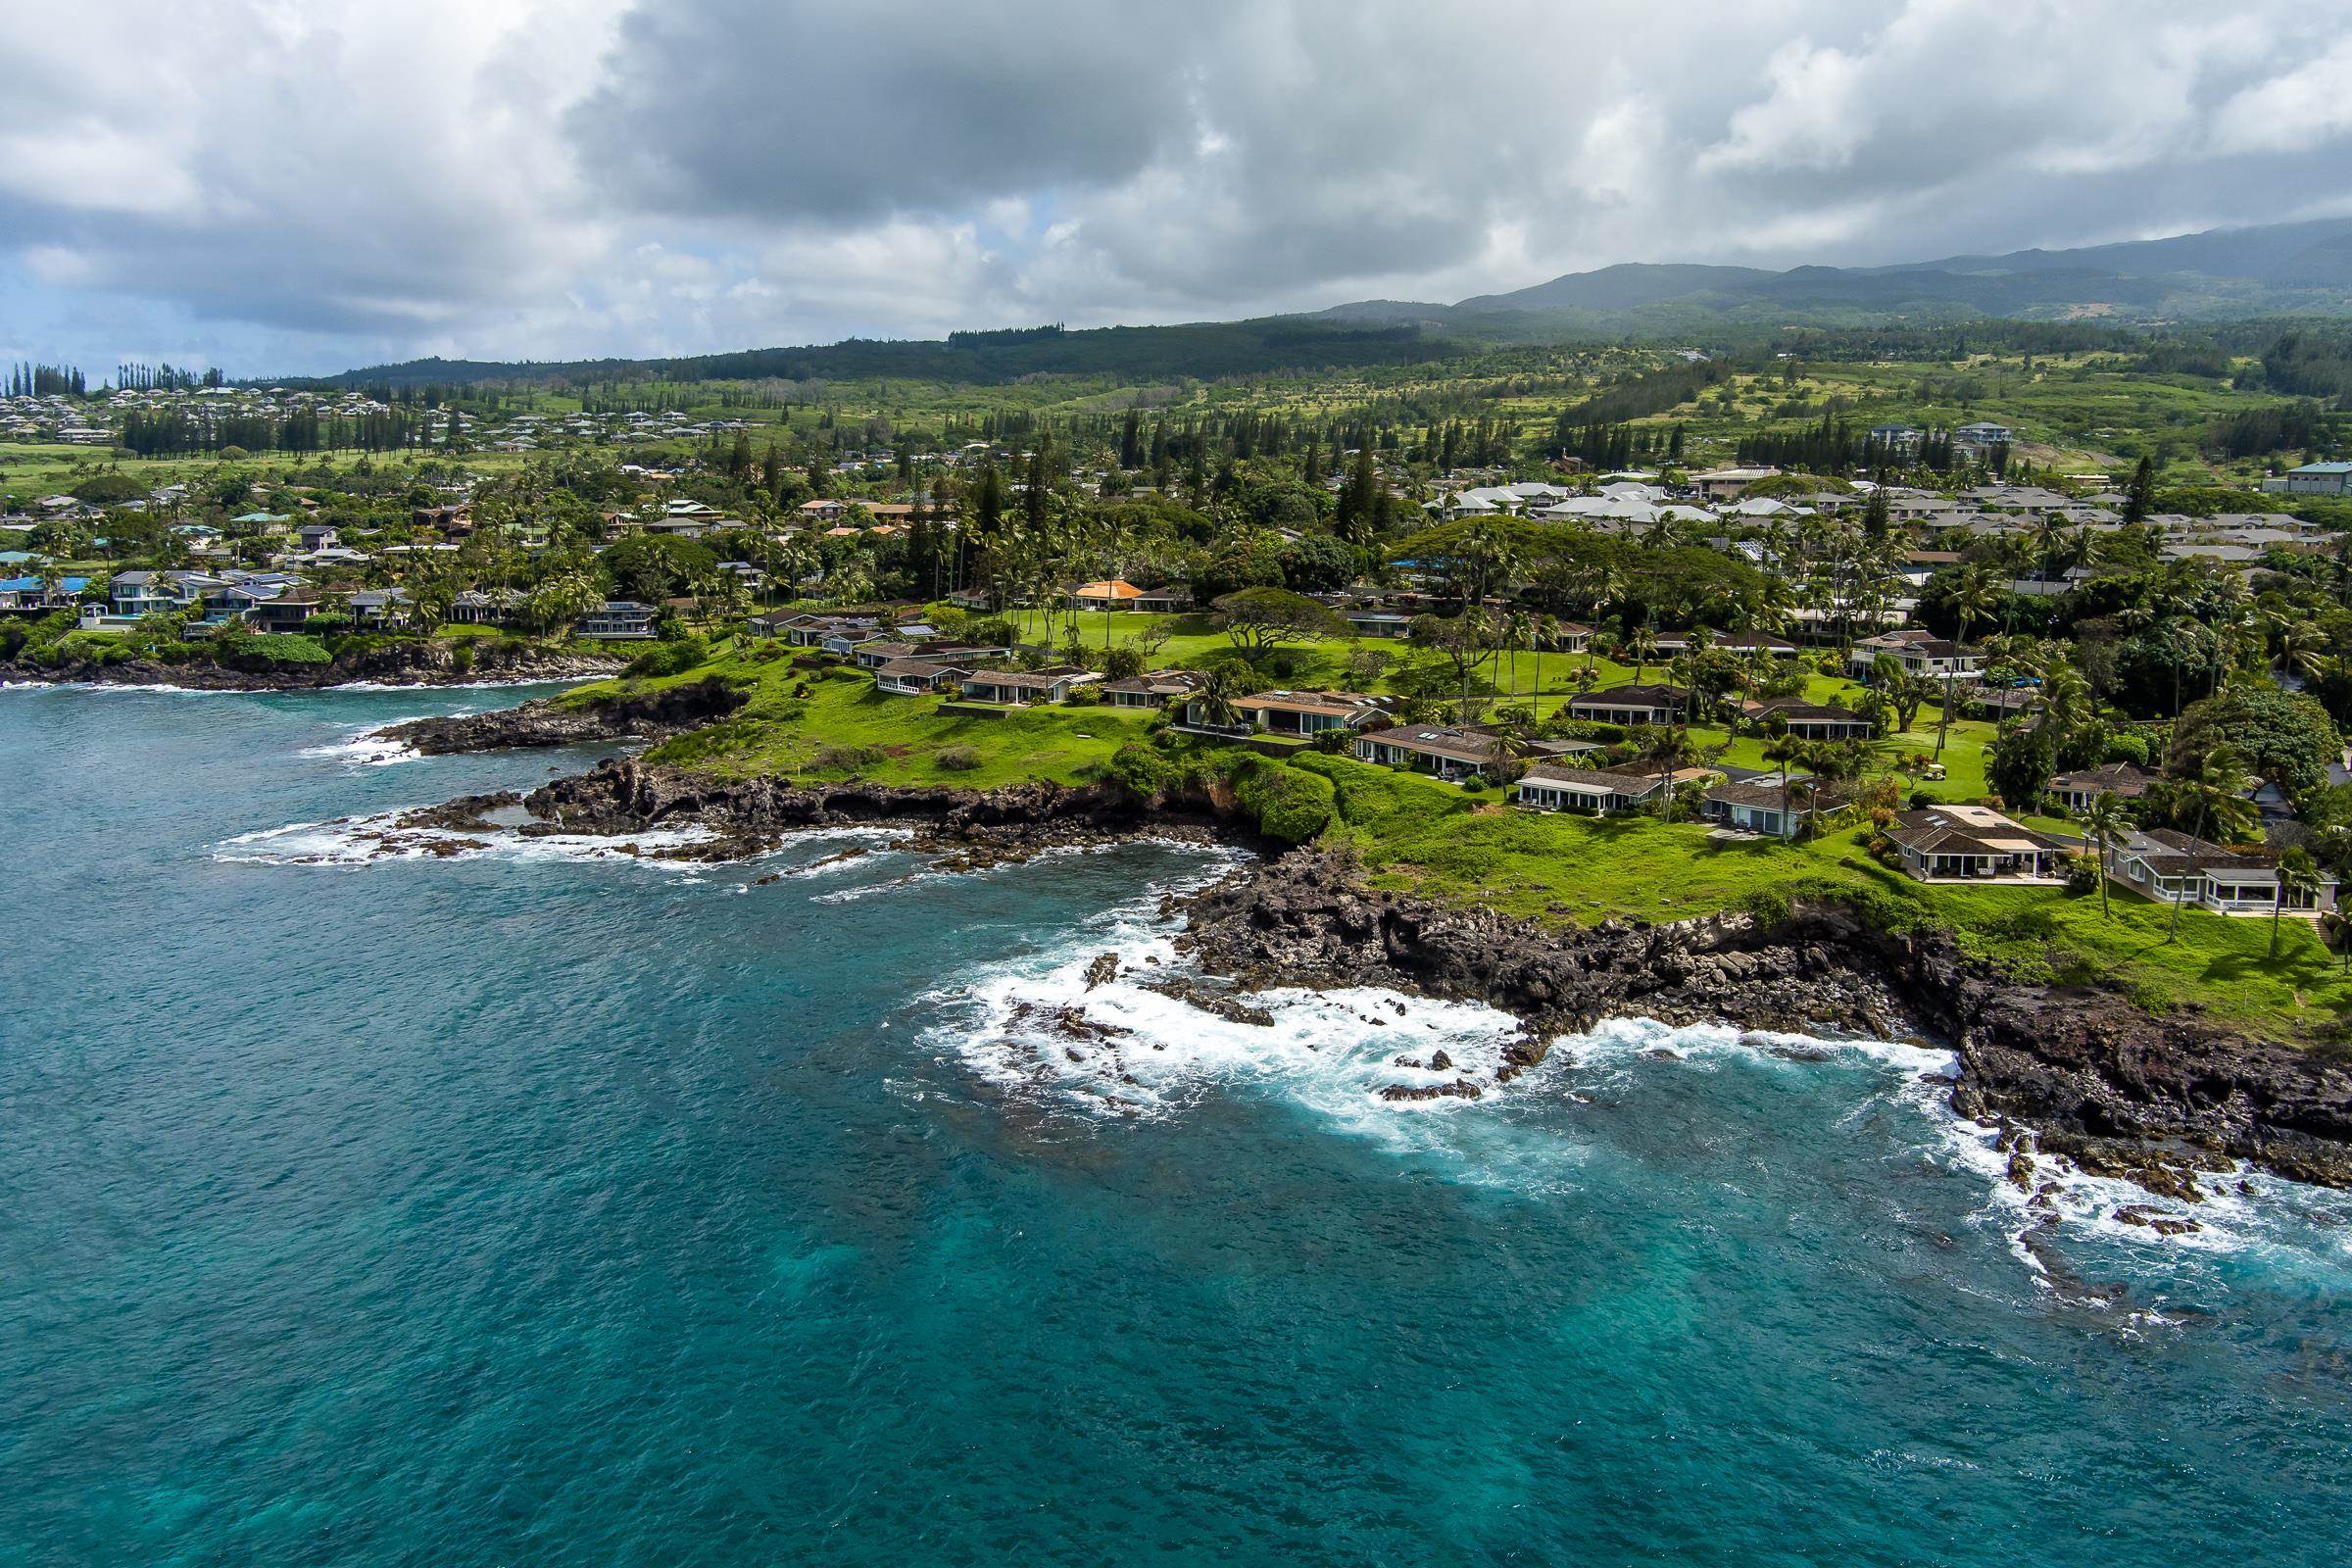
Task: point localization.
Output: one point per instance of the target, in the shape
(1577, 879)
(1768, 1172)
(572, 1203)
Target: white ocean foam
(566, 681)
(367, 746)
(370, 840)
(1033, 1028)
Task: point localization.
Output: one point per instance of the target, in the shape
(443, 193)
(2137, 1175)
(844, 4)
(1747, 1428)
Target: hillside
(2282, 269)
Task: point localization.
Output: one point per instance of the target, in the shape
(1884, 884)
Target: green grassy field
(830, 725)
(1438, 839)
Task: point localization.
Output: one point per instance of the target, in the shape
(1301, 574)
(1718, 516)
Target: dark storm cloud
(554, 178)
(796, 111)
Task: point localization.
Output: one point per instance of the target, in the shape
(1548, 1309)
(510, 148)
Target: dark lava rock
(1459, 1089)
(553, 722)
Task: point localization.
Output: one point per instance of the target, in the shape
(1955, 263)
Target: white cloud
(2302, 108)
(340, 180)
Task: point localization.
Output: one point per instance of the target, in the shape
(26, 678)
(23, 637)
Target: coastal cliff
(547, 722)
(2096, 1079)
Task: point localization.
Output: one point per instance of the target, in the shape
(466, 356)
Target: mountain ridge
(2302, 268)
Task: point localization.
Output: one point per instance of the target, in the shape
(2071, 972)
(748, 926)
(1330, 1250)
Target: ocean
(540, 1204)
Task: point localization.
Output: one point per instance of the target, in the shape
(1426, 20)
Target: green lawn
(843, 728)
(1415, 835)
(1445, 842)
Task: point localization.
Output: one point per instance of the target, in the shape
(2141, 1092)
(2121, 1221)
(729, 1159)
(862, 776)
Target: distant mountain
(2227, 273)
(2274, 267)
(1621, 287)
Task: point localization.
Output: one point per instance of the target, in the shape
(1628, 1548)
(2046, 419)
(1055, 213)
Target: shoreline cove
(2094, 1081)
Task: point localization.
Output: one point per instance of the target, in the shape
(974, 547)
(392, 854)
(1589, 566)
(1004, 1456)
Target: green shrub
(1146, 773)
(669, 658)
(1290, 805)
(958, 758)
(845, 758)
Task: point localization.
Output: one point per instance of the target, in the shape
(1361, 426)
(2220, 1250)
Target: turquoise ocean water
(542, 1206)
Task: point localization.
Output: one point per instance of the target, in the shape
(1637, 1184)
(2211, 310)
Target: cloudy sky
(304, 185)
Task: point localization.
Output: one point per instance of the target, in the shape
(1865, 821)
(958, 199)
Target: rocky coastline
(425, 663)
(647, 715)
(2080, 1077)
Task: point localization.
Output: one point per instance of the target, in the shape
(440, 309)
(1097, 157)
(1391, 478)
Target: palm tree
(1220, 689)
(1518, 632)
(1670, 748)
(2216, 790)
(1972, 602)
(2107, 824)
(2302, 649)
(1643, 647)
(2297, 874)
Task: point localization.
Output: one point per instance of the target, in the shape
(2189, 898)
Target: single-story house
(1154, 688)
(1555, 787)
(1569, 637)
(1922, 653)
(616, 620)
(2169, 866)
(1631, 705)
(1809, 722)
(1019, 688)
(1762, 806)
(1288, 713)
(1174, 598)
(1115, 593)
(2123, 780)
(1446, 751)
(1756, 642)
(1379, 622)
(478, 607)
(916, 677)
(1973, 843)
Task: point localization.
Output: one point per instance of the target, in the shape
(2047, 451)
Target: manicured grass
(842, 728)
(1415, 835)
(1438, 839)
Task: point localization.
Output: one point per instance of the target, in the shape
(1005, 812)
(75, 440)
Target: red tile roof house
(1117, 593)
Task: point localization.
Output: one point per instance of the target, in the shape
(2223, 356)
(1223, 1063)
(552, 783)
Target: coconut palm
(1669, 748)
(2297, 874)
(1518, 632)
(2214, 791)
(1972, 600)
(2107, 825)
(1643, 647)
(2302, 649)
(1221, 688)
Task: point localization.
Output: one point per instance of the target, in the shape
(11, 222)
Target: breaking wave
(380, 837)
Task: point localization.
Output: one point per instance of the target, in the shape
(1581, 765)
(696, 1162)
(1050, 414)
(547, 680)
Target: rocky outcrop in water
(551, 721)
(2112, 1087)
(424, 663)
(2116, 1090)
(971, 829)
